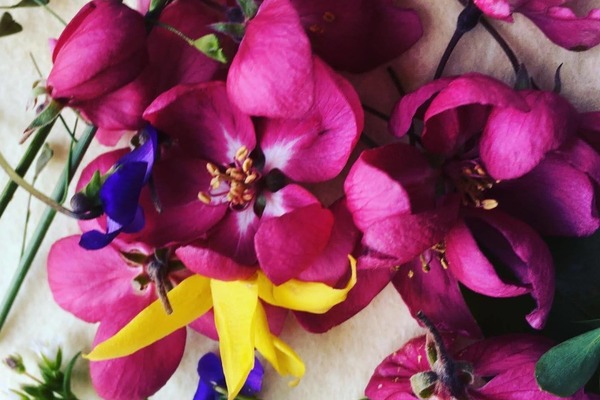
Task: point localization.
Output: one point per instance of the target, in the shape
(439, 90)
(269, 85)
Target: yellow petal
(235, 305)
(278, 353)
(190, 299)
(313, 297)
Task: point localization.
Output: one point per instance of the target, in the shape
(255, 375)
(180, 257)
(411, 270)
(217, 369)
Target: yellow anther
(212, 169)
(411, 273)
(204, 197)
(242, 153)
(444, 262)
(328, 16)
(314, 28)
(247, 165)
(489, 204)
(215, 183)
(250, 178)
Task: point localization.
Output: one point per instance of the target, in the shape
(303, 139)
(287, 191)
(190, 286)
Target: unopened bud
(15, 362)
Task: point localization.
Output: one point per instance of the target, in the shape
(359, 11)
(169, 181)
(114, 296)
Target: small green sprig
(55, 382)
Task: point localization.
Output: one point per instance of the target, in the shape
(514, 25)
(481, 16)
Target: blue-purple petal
(205, 391)
(254, 381)
(146, 153)
(94, 240)
(138, 222)
(211, 370)
(121, 192)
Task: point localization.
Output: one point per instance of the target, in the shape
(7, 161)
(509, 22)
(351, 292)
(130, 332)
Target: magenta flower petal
(203, 120)
(332, 264)
(272, 72)
(368, 285)
(90, 283)
(287, 245)
(406, 236)
(286, 200)
(514, 142)
(555, 198)
(343, 32)
(316, 147)
(500, 9)
(436, 293)
(473, 90)
(209, 263)
(521, 252)
(388, 180)
(102, 49)
(563, 27)
(127, 378)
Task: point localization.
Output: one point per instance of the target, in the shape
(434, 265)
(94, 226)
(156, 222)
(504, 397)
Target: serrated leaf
(43, 159)
(566, 368)
(210, 46)
(66, 387)
(8, 26)
(27, 3)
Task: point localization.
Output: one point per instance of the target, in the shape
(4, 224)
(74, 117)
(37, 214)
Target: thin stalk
(514, 61)
(44, 225)
(376, 113)
(456, 36)
(51, 11)
(62, 120)
(33, 191)
(30, 154)
(27, 216)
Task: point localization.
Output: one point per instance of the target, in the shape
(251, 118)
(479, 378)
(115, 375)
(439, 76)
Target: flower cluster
(244, 197)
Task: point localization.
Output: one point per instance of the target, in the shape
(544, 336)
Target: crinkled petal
(436, 293)
(317, 146)
(389, 180)
(272, 73)
(522, 257)
(514, 142)
(289, 244)
(92, 285)
(127, 378)
(203, 120)
(343, 32)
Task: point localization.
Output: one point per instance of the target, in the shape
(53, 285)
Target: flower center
(472, 184)
(233, 183)
(328, 17)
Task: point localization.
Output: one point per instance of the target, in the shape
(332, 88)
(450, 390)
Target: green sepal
(8, 26)
(234, 30)
(423, 384)
(430, 350)
(249, 8)
(48, 114)
(27, 3)
(209, 45)
(92, 189)
(566, 368)
(66, 384)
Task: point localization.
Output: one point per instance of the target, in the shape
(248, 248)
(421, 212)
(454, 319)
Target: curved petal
(287, 245)
(203, 120)
(500, 9)
(127, 378)
(92, 284)
(272, 73)
(392, 179)
(343, 32)
(514, 142)
(316, 147)
(522, 257)
(435, 292)
(286, 200)
(211, 264)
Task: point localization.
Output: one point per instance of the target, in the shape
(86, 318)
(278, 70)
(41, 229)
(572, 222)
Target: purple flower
(211, 374)
(120, 192)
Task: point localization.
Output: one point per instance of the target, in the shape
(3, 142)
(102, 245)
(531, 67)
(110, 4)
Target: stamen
(242, 153)
(204, 197)
(328, 16)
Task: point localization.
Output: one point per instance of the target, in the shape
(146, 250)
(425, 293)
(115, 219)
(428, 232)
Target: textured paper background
(340, 362)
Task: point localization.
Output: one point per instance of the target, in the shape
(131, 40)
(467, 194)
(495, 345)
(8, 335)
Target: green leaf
(27, 3)
(45, 117)
(67, 394)
(234, 30)
(249, 8)
(566, 368)
(8, 25)
(210, 46)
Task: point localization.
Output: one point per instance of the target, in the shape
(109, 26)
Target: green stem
(44, 225)
(51, 11)
(33, 191)
(30, 154)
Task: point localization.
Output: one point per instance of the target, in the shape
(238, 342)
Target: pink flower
(493, 369)
(111, 286)
(358, 35)
(255, 169)
(553, 17)
(101, 49)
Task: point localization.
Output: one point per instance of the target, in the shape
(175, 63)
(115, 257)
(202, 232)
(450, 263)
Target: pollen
(472, 185)
(328, 16)
(315, 28)
(411, 273)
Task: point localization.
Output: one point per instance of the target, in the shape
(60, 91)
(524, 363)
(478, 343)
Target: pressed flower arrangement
(251, 175)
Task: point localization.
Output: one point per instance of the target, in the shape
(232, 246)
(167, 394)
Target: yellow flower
(239, 317)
